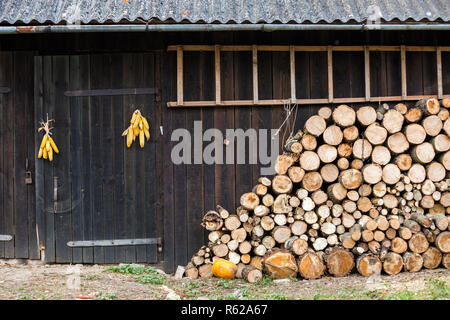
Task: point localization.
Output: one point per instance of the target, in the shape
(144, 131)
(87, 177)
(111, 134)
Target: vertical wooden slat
(292, 72)
(255, 73)
(180, 75)
(167, 79)
(97, 183)
(194, 208)
(217, 73)
(49, 101)
(8, 161)
(142, 159)
(367, 72)
(330, 73)
(86, 165)
(129, 78)
(403, 70)
(106, 153)
(158, 224)
(19, 92)
(120, 122)
(61, 162)
(150, 196)
(3, 141)
(439, 71)
(75, 154)
(39, 164)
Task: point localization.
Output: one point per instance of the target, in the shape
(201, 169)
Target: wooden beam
(281, 102)
(292, 69)
(439, 71)
(109, 92)
(180, 75)
(330, 73)
(304, 48)
(217, 74)
(367, 72)
(255, 74)
(403, 70)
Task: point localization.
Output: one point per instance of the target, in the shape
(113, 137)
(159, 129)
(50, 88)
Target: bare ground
(42, 282)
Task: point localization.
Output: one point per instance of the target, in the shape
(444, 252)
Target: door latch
(28, 178)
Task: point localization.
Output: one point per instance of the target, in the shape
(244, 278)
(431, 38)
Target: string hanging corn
(138, 127)
(48, 146)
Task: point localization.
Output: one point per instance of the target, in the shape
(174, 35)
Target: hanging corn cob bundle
(47, 146)
(138, 127)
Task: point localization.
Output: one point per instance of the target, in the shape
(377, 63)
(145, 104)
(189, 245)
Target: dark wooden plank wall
(168, 200)
(105, 191)
(17, 199)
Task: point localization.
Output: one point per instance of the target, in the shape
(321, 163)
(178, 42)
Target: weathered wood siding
(141, 193)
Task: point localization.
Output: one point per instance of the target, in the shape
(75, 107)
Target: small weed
(91, 276)
(194, 285)
(266, 280)
(155, 278)
(225, 283)
(276, 296)
(145, 274)
(402, 295)
(106, 296)
(438, 289)
(26, 296)
(130, 269)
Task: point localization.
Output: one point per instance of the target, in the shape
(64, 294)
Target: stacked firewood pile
(364, 190)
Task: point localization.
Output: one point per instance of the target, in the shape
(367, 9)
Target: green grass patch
(145, 274)
(106, 296)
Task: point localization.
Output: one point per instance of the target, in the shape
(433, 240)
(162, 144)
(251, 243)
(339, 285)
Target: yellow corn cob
(44, 153)
(41, 151)
(129, 138)
(141, 125)
(144, 121)
(50, 154)
(136, 122)
(136, 131)
(53, 145)
(47, 145)
(44, 141)
(133, 117)
(141, 138)
(147, 133)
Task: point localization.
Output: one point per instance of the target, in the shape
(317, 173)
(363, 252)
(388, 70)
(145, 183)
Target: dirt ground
(42, 282)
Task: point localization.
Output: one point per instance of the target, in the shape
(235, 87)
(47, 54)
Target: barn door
(96, 202)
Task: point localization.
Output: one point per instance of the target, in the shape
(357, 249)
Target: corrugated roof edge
(140, 20)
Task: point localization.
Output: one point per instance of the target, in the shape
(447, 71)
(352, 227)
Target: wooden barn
(230, 64)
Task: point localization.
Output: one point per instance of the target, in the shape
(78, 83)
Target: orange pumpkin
(224, 269)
